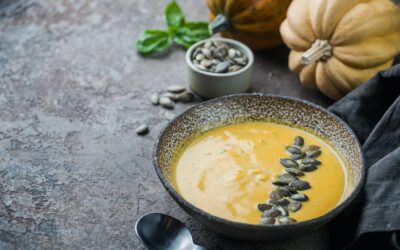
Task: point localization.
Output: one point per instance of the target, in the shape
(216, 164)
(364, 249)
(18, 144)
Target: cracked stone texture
(73, 174)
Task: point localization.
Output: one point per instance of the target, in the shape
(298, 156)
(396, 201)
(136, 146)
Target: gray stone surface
(73, 173)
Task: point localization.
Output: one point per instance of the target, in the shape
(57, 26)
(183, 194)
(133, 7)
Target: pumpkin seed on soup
(289, 163)
(267, 221)
(299, 141)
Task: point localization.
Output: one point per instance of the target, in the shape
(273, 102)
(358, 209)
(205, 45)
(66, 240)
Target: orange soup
(229, 170)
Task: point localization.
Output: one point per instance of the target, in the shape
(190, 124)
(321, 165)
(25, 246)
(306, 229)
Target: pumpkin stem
(320, 50)
(220, 23)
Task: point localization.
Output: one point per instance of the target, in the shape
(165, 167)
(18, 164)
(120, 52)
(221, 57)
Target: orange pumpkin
(253, 22)
(337, 45)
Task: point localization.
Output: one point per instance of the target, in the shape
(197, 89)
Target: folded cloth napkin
(373, 112)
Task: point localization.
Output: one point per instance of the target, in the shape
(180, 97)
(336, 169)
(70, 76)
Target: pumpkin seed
(299, 197)
(201, 67)
(307, 167)
(284, 220)
(154, 98)
(184, 97)
(274, 195)
(300, 185)
(207, 44)
(311, 161)
(288, 163)
(240, 60)
(313, 154)
(311, 148)
(279, 183)
(170, 95)
(206, 63)
(222, 67)
(283, 191)
(293, 150)
(199, 57)
(299, 141)
(294, 171)
(142, 129)
(294, 206)
(264, 206)
(232, 53)
(287, 178)
(270, 213)
(166, 102)
(292, 190)
(206, 52)
(176, 89)
(234, 68)
(281, 202)
(282, 210)
(296, 157)
(169, 115)
(267, 221)
(220, 52)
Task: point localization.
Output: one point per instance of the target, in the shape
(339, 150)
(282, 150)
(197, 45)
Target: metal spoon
(163, 232)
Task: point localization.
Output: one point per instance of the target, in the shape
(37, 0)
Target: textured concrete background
(73, 174)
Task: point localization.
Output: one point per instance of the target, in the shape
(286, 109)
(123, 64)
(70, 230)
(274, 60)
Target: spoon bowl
(162, 232)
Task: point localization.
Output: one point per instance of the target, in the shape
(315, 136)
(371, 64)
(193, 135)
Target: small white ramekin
(211, 85)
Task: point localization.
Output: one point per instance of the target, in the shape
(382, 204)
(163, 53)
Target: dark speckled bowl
(257, 107)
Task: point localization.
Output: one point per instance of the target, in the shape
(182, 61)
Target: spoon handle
(196, 247)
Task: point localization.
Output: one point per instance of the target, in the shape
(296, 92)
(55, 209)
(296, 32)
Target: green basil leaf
(183, 42)
(152, 41)
(174, 15)
(191, 33)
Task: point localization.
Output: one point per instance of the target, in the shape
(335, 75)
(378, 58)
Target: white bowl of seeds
(218, 67)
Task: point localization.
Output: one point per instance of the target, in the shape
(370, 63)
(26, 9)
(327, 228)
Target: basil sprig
(179, 31)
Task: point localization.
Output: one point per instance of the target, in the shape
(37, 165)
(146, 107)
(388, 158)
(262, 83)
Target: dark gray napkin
(373, 112)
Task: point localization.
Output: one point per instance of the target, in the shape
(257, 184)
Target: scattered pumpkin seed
(154, 98)
(176, 89)
(166, 102)
(184, 97)
(142, 129)
(169, 115)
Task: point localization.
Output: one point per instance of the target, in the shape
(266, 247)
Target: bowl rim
(241, 225)
(241, 46)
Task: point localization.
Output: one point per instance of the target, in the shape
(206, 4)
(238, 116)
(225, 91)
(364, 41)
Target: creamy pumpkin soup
(259, 172)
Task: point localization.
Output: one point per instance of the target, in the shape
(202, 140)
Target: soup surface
(227, 171)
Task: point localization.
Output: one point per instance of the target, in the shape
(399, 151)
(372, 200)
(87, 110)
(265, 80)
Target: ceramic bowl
(258, 107)
(211, 85)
